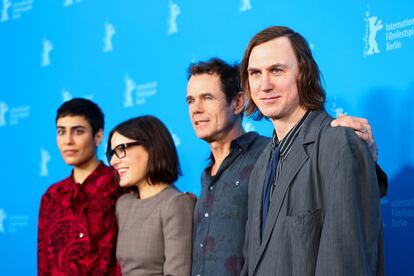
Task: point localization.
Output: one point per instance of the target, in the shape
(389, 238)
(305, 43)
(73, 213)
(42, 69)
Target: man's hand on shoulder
(362, 129)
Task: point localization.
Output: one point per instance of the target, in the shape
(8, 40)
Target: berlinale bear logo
(4, 15)
(245, 5)
(47, 48)
(373, 25)
(3, 109)
(3, 216)
(44, 159)
(129, 89)
(172, 20)
(109, 33)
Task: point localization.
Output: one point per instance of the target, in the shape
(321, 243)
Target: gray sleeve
(177, 228)
(349, 242)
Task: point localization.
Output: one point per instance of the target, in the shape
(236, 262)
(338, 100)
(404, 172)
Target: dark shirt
(77, 226)
(221, 212)
(285, 144)
(282, 149)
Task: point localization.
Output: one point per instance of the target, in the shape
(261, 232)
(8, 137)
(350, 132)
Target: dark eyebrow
(73, 127)
(251, 69)
(77, 127)
(202, 95)
(206, 94)
(276, 65)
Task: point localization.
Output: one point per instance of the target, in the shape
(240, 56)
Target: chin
(271, 114)
(203, 136)
(71, 162)
(124, 183)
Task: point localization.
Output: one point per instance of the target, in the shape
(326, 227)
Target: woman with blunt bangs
(155, 221)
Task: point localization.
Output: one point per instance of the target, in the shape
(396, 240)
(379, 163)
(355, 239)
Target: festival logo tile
(14, 9)
(174, 11)
(44, 160)
(110, 31)
(137, 94)
(47, 47)
(398, 33)
(13, 115)
(245, 5)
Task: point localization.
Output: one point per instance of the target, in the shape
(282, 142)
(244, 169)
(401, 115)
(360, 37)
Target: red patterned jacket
(77, 226)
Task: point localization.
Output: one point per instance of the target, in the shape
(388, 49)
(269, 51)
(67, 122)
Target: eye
(254, 73)
(190, 101)
(60, 132)
(276, 70)
(119, 150)
(79, 131)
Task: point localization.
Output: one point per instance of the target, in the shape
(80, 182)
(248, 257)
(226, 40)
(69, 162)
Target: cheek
(58, 142)
(88, 145)
(253, 86)
(254, 93)
(290, 85)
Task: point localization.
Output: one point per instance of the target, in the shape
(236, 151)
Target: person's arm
(42, 264)
(364, 131)
(177, 230)
(352, 221)
(251, 196)
(245, 268)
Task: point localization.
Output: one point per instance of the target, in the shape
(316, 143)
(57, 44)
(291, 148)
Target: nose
(196, 107)
(114, 160)
(68, 139)
(266, 83)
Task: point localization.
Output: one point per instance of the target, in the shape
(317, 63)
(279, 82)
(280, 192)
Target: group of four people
(305, 202)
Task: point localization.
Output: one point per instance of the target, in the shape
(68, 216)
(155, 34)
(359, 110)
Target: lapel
(293, 163)
(258, 195)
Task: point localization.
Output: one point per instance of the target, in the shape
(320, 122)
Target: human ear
(239, 103)
(98, 137)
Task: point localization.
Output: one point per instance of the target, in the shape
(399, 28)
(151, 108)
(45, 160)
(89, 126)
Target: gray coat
(324, 215)
(154, 235)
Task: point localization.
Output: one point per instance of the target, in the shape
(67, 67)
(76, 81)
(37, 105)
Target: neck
(284, 125)
(81, 172)
(146, 190)
(221, 148)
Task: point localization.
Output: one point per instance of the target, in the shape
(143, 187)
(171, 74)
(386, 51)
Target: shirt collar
(244, 140)
(241, 142)
(285, 144)
(94, 173)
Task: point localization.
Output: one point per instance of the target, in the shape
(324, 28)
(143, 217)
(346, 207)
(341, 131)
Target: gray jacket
(324, 215)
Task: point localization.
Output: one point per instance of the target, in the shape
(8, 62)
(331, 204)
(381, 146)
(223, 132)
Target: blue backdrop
(131, 58)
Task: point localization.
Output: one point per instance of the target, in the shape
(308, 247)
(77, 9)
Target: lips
(269, 100)
(70, 152)
(122, 171)
(200, 122)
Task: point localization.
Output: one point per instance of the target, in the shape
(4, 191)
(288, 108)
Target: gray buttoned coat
(324, 216)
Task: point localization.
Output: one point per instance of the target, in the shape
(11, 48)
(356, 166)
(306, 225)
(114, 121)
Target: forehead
(204, 83)
(117, 138)
(72, 121)
(278, 50)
